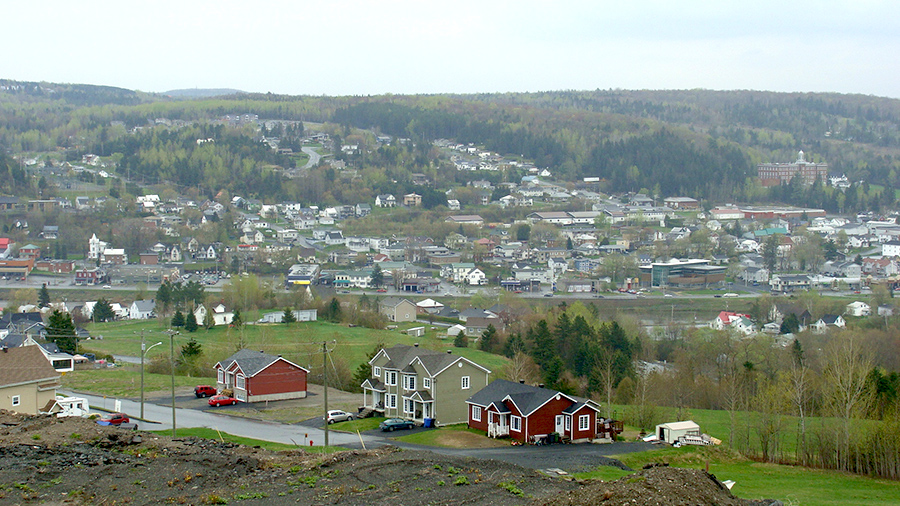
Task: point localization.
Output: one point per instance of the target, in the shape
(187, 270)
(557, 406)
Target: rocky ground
(75, 461)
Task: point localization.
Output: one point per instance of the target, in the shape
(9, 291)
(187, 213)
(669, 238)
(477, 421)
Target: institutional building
(773, 174)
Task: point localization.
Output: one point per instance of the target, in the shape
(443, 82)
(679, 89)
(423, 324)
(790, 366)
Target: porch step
(366, 413)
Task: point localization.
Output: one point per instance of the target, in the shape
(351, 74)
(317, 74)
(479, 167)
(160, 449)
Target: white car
(729, 294)
(336, 415)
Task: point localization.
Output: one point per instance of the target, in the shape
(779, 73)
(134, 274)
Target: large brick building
(773, 174)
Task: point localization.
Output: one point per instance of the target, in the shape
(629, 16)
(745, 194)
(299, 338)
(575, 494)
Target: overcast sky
(364, 48)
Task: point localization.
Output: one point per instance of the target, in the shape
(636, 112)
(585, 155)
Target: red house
(255, 377)
(528, 413)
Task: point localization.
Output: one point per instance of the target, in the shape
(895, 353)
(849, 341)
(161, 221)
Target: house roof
(25, 364)
(527, 398)
(144, 305)
(686, 425)
(400, 356)
(252, 362)
(393, 302)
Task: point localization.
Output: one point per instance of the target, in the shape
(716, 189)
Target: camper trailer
(67, 406)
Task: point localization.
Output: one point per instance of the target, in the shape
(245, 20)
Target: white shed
(670, 432)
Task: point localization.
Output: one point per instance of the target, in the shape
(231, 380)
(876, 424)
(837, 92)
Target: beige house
(397, 310)
(27, 380)
(418, 384)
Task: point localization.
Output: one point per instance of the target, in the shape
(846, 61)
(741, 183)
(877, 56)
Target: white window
(239, 383)
(465, 383)
(426, 383)
(376, 371)
(476, 413)
(221, 376)
(408, 406)
(515, 423)
(584, 422)
(390, 401)
(568, 423)
(409, 382)
(16, 400)
(390, 378)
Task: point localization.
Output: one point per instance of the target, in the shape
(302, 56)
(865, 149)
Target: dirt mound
(72, 460)
(657, 486)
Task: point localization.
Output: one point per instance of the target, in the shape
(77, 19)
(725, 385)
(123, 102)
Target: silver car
(336, 415)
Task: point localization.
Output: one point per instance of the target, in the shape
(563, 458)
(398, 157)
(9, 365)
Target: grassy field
(122, 382)
(300, 342)
(361, 425)
(754, 480)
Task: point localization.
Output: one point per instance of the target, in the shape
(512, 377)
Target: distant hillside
(201, 92)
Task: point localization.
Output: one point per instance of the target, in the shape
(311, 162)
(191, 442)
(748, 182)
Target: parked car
(729, 294)
(205, 391)
(381, 290)
(548, 294)
(392, 424)
(336, 415)
(221, 400)
(114, 419)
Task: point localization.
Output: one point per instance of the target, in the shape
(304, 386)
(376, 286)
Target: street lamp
(144, 351)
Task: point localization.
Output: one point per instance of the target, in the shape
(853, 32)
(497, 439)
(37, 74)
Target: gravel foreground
(46, 460)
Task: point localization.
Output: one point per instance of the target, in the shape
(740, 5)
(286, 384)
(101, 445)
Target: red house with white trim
(527, 413)
(255, 377)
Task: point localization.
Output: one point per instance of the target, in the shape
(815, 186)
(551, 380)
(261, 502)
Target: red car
(222, 400)
(205, 391)
(381, 290)
(114, 419)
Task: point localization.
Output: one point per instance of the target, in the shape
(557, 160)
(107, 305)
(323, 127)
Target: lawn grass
(430, 437)
(361, 424)
(754, 480)
(206, 433)
(299, 342)
(124, 382)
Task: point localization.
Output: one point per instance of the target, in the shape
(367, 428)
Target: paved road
(314, 157)
(159, 417)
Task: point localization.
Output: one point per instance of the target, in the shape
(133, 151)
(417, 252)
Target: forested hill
(699, 143)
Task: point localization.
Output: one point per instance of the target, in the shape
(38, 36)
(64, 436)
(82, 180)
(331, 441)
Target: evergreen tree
(236, 321)
(790, 324)
(61, 330)
(164, 297)
(377, 276)
(43, 296)
(488, 338)
(178, 319)
(288, 316)
(332, 311)
(191, 351)
(190, 322)
(103, 311)
(364, 370)
(513, 345)
(461, 341)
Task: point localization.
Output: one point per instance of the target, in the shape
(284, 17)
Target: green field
(300, 342)
(754, 480)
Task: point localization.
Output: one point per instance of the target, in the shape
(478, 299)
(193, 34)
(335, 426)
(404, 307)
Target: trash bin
(429, 423)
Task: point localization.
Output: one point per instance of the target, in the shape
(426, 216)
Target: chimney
(279, 355)
(449, 352)
(521, 382)
(416, 345)
(540, 385)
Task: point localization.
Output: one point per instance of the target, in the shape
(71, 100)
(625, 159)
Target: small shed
(416, 332)
(670, 432)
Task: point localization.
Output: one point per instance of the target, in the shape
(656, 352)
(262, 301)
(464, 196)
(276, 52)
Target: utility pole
(325, 385)
(172, 334)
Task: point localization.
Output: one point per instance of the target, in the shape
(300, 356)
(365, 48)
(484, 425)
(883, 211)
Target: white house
(476, 277)
(829, 320)
(858, 308)
(670, 432)
(220, 315)
(142, 309)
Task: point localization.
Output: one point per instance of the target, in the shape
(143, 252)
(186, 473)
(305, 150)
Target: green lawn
(300, 342)
(431, 437)
(790, 484)
(124, 382)
(360, 425)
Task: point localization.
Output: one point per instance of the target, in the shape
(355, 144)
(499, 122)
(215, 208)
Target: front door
(560, 427)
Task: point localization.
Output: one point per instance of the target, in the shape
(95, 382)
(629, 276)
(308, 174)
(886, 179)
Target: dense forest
(699, 143)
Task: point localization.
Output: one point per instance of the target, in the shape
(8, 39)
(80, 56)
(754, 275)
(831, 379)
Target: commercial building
(774, 174)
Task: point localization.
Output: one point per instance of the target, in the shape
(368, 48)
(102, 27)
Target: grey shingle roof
(25, 365)
(401, 355)
(527, 398)
(250, 362)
